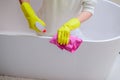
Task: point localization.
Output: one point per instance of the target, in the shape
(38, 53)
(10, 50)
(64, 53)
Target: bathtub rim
(47, 37)
(112, 3)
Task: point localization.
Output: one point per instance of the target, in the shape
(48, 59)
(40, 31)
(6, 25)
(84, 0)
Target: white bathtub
(22, 53)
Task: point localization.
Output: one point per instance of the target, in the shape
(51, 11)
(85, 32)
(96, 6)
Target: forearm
(83, 16)
(21, 1)
(87, 10)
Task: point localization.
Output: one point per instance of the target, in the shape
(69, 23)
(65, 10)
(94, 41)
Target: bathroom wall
(12, 19)
(116, 1)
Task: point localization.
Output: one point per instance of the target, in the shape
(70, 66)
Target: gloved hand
(35, 23)
(64, 31)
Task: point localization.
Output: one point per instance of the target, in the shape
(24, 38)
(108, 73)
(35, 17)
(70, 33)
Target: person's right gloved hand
(35, 23)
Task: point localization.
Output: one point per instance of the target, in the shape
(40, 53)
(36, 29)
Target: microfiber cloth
(72, 46)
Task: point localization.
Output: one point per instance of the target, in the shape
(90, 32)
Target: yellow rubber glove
(64, 31)
(35, 23)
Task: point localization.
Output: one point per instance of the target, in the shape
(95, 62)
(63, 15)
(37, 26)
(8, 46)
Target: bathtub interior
(103, 25)
(105, 22)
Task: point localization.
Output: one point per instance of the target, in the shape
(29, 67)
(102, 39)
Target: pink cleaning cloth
(72, 46)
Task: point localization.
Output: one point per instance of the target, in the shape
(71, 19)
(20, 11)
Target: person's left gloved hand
(64, 31)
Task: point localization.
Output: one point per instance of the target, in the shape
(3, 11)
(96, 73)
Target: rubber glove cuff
(73, 23)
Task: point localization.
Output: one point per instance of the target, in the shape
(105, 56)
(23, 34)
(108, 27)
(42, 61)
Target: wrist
(83, 16)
